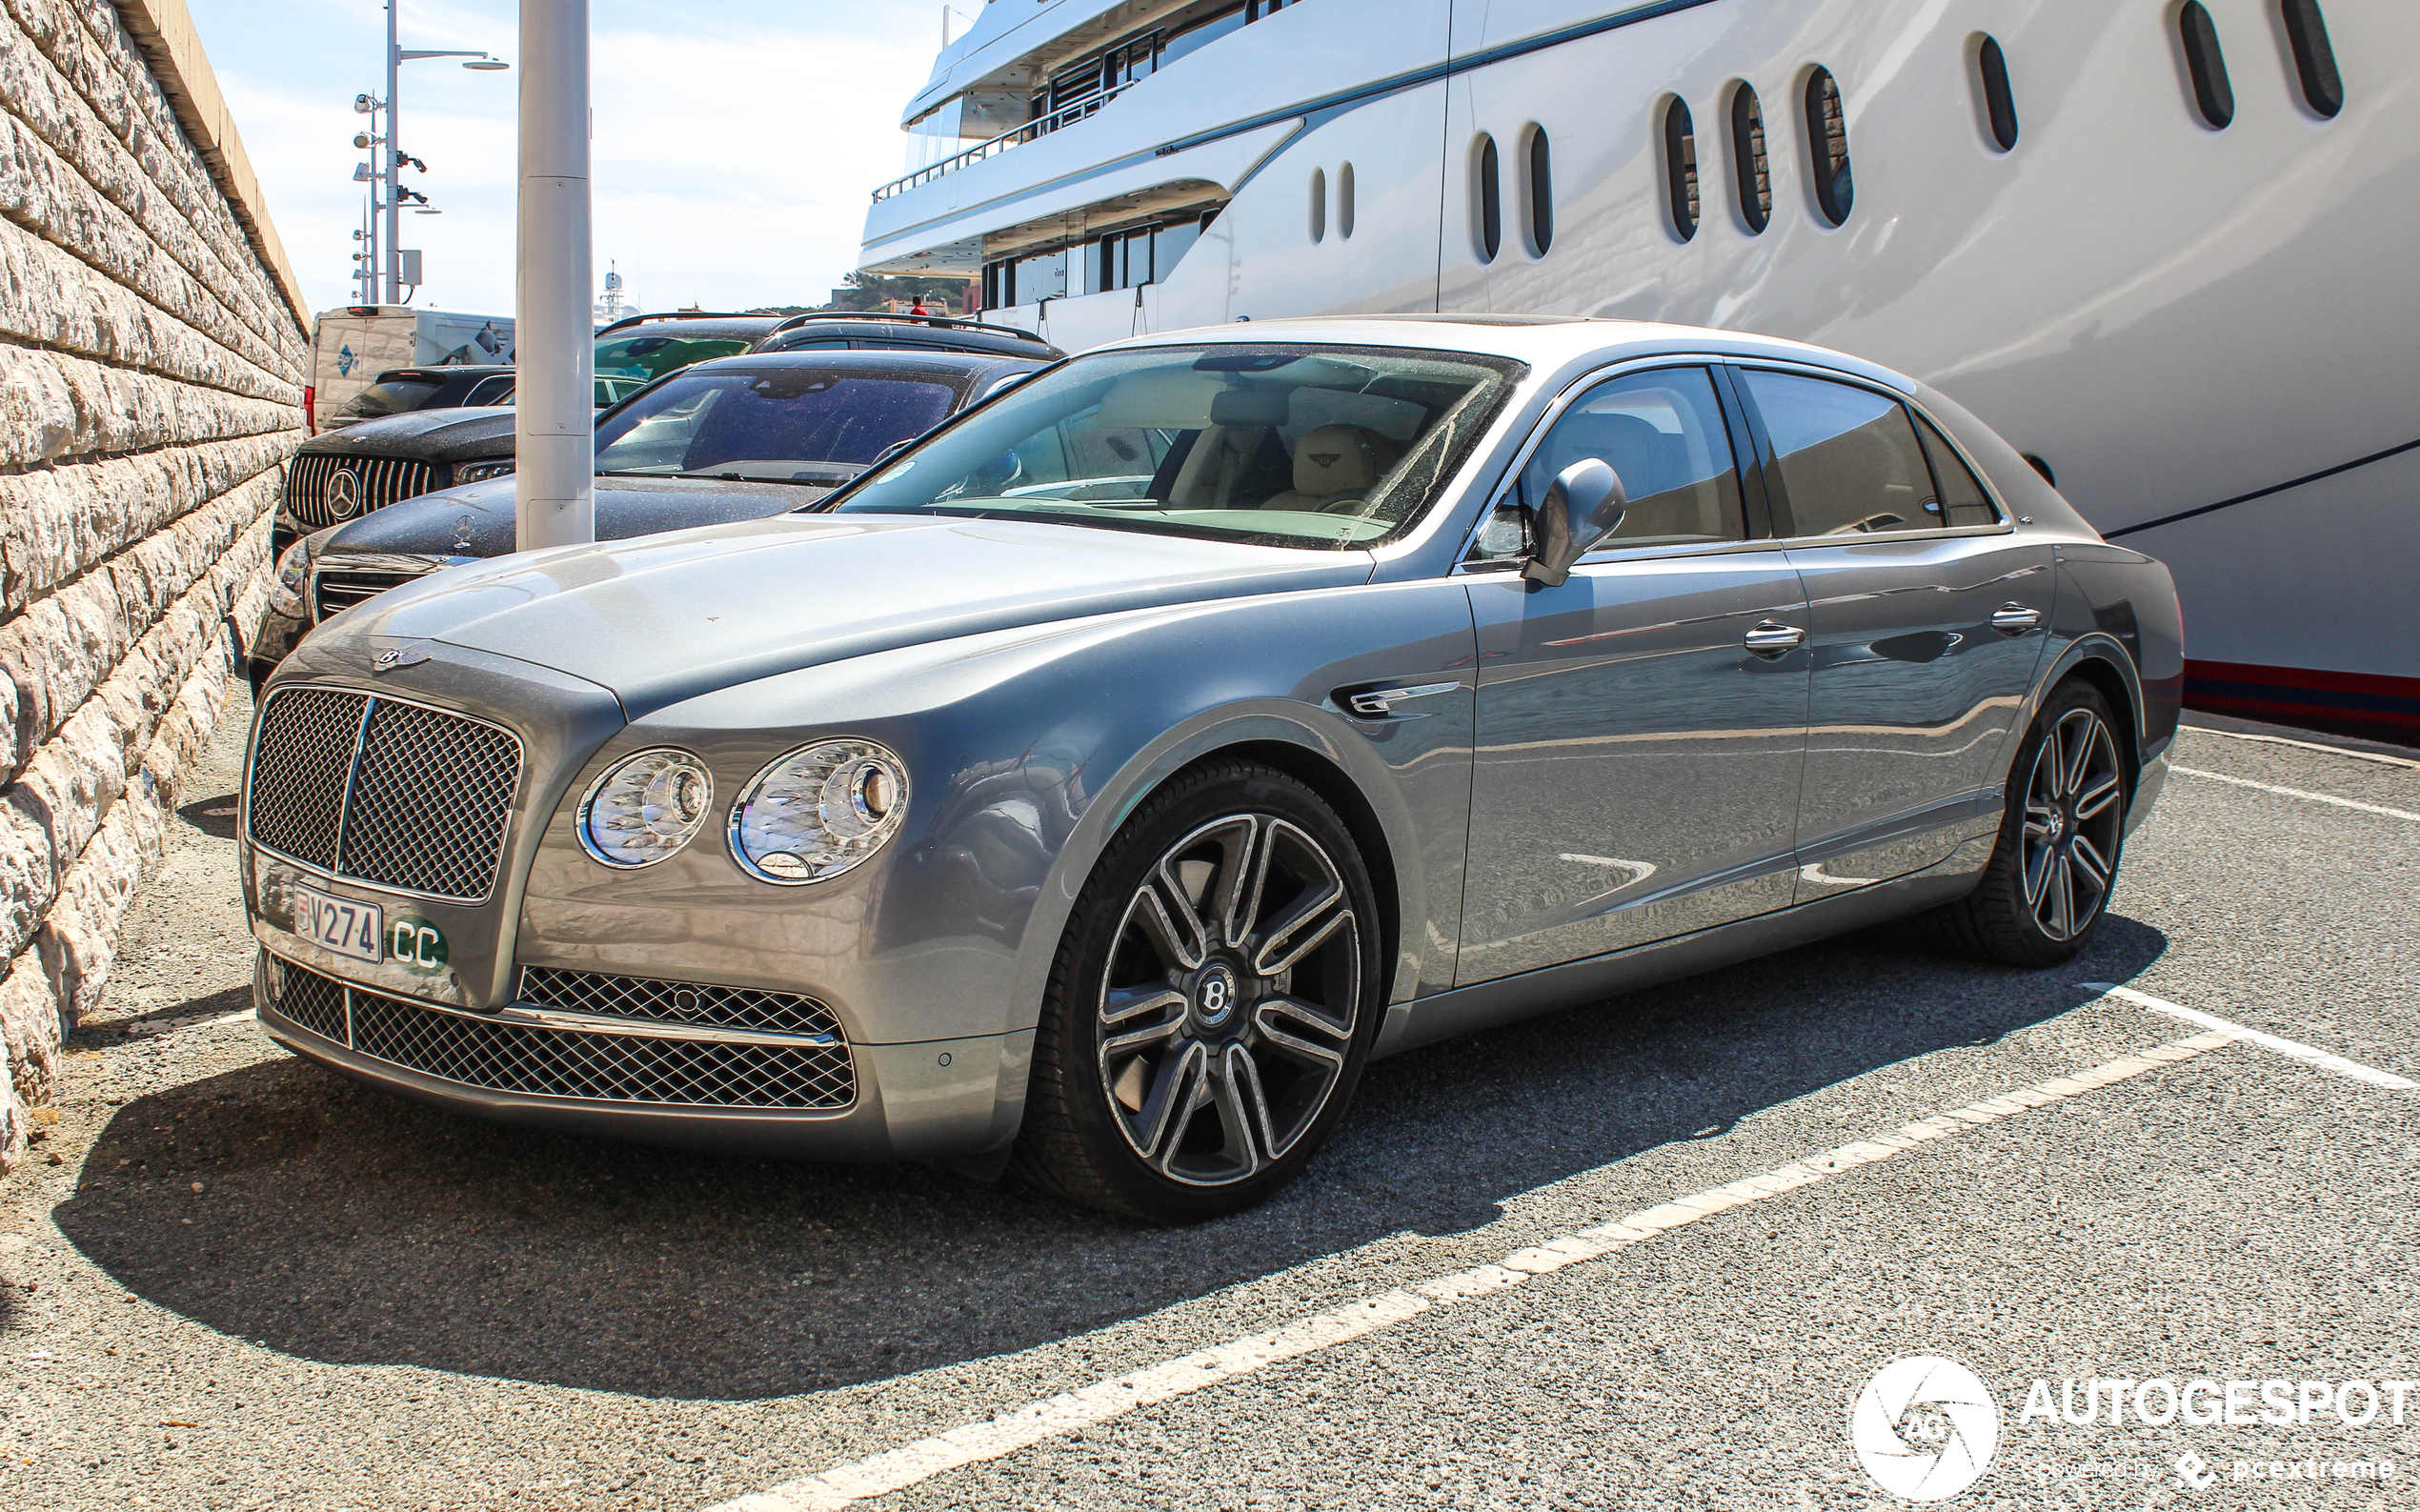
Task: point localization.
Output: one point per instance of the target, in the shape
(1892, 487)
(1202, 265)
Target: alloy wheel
(1230, 1001)
(2073, 817)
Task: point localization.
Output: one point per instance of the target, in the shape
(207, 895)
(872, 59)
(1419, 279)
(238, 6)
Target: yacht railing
(1040, 126)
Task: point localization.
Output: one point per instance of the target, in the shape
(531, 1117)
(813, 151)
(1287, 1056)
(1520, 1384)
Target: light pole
(398, 56)
(553, 406)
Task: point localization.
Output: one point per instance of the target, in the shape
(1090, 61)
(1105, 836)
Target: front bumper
(933, 1101)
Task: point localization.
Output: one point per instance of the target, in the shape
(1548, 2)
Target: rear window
(653, 356)
(391, 398)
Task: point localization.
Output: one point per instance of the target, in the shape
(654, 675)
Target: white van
(351, 345)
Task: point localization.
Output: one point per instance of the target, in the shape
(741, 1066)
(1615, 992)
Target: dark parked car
(732, 440)
(402, 391)
(368, 465)
(429, 448)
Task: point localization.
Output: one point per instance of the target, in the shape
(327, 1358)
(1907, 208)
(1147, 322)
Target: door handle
(2016, 619)
(1773, 638)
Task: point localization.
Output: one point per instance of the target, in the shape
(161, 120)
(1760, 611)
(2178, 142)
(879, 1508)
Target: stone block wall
(153, 345)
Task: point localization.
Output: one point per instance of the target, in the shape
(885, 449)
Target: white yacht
(2165, 246)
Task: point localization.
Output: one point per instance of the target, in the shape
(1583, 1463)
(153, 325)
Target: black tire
(1139, 1104)
(2039, 902)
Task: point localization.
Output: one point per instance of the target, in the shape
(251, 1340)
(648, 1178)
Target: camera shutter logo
(1925, 1428)
(344, 494)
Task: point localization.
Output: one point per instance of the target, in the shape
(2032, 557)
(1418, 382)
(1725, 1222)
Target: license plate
(340, 924)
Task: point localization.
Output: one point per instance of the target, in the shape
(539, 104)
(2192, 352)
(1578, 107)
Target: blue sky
(737, 141)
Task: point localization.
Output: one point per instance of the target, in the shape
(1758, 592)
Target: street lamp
(397, 56)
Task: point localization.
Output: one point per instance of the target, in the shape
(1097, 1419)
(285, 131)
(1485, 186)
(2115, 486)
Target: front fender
(1025, 749)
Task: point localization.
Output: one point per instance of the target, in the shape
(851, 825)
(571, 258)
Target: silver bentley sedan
(1091, 791)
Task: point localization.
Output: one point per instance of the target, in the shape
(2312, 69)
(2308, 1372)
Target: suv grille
(535, 1060)
(393, 794)
(376, 482)
(335, 590)
(675, 1001)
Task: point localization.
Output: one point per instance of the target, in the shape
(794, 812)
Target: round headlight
(645, 808)
(818, 810)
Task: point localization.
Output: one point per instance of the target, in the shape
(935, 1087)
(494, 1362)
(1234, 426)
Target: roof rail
(952, 321)
(682, 315)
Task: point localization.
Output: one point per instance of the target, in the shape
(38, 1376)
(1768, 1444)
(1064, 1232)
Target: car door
(1927, 618)
(1637, 766)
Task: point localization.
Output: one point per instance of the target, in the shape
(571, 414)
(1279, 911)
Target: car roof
(936, 361)
(1547, 343)
(914, 338)
(689, 326)
(443, 372)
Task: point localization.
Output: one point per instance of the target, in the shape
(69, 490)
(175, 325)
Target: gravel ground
(246, 1282)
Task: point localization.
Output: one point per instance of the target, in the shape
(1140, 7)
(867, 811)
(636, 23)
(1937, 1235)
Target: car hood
(428, 435)
(476, 520)
(671, 616)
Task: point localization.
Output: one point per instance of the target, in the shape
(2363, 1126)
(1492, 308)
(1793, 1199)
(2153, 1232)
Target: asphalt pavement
(237, 1280)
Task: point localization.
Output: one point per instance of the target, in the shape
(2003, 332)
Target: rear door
(1927, 624)
(1636, 769)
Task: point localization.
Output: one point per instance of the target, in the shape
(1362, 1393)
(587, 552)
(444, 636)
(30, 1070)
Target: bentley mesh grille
(430, 801)
(380, 791)
(535, 1061)
(299, 767)
(675, 1001)
(337, 590)
(377, 481)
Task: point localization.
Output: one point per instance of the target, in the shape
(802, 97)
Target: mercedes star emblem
(344, 494)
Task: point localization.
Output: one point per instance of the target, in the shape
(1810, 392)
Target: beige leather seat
(1337, 466)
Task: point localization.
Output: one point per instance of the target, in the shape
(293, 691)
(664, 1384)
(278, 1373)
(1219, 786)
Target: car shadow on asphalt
(286, 1205)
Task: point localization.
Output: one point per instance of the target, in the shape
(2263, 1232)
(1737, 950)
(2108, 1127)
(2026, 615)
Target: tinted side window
(1963, 500)
(1847, 457)
(1662, 433)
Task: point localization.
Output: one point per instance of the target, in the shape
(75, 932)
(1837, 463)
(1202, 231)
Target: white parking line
(2307, 745)
(170, 1025)
(1021, 1428)
(2297, 793)
(2283, 1047)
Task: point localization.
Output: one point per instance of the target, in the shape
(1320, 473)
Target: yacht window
(2314, 58)
(1749, 165)
(1541, 192)
(1827, 145)
(1847, 457)
(1318, 204)
(1345, 202)
(1039, 278)
(1681, 167)
(2213, 94)
(1201, 35)
(1999, 100)
(1490, 196)
(1171, 242)
(1663, 434)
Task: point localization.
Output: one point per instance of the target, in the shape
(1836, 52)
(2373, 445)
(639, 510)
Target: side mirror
(1584, 505)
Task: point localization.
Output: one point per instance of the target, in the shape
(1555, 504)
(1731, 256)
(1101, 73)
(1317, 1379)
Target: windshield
(1295, 446)
(769, 422)
(653, 357)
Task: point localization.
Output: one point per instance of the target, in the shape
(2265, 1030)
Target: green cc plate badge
(416, 945)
